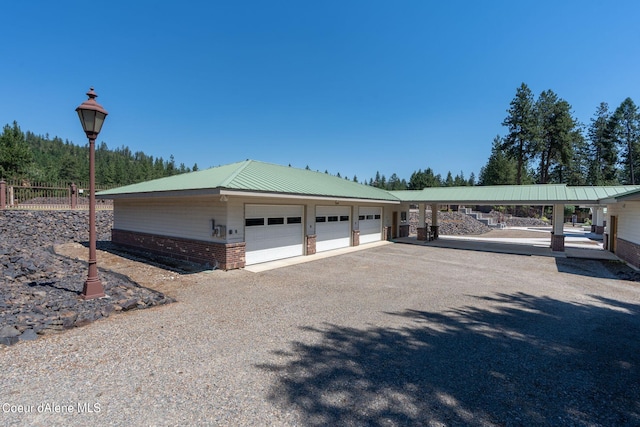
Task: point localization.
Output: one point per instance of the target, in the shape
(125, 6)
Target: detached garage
(252, 212)
(247, 213)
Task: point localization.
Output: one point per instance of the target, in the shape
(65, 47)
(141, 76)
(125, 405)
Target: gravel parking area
(393, 335)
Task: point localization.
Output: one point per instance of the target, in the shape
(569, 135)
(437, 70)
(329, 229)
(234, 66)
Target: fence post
(74, 196)
(3, 194)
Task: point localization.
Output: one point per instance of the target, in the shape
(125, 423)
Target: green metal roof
(255, 176)
(515, 194)
(632, 194)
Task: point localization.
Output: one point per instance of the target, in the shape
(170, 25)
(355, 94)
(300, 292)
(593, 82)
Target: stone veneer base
(228, 256)
(557, 243)
(311, 244)
(355, 238)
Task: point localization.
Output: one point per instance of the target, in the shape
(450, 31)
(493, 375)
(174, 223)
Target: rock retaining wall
(451, 223)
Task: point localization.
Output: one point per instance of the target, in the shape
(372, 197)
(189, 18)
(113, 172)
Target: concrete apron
(271, 265)
(575, 247)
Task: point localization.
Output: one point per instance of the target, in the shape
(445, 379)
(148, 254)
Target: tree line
(35, 158)
(545, 144)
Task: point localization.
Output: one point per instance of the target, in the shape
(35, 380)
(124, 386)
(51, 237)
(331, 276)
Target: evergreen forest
(29, 157)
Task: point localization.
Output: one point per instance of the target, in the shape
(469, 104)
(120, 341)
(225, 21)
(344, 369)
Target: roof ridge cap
(243, 165)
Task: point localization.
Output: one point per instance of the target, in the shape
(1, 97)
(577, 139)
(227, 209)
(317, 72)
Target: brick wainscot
(630, 252)
(228, 256)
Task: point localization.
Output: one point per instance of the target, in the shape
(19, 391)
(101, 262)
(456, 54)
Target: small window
(361, 217)
(378, 216)
(251, 222)
(369, 216)
(294, 220)
(321, 219)
(275, 221)
(333, 218)
(344, 217)
(403, 216)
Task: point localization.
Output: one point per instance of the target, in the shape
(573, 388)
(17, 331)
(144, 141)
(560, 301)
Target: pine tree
(500, 168)
(602, 151)
(448, 182)
(557, 137)
(459, 180)
(626, 133)
(520, 142)
(395, 183)
(418, 180)
(15, 154)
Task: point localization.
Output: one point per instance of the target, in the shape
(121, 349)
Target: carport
(556, 195)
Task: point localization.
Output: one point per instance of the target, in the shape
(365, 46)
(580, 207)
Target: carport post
(597, 223)
(434, 221)
(557, 233)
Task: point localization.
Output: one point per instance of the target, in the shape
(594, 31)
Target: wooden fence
(39, 196)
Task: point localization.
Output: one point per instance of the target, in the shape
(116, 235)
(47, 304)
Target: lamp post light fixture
(92, 117)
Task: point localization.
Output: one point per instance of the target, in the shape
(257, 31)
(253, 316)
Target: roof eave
(253, 193)
(161, 194)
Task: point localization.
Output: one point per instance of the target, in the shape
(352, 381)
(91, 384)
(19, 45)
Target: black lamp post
(92, 117)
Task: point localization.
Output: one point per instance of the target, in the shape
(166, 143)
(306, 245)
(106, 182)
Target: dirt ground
(139, 270)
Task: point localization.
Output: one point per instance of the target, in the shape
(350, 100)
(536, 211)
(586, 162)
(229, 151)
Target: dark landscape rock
(457, 224)
(28, 335)
(451, 223)
(39, 290)
(9, 331)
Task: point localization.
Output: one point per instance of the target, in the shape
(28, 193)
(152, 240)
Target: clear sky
(352, 87)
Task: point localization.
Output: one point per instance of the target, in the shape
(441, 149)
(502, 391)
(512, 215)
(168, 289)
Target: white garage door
(370, 220)
(272, 232)
(333, 227)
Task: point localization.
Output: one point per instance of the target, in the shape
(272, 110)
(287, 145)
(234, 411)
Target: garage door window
(252, 222)
(294, 220)
(344, 218)
(321, 219)
(275, 221)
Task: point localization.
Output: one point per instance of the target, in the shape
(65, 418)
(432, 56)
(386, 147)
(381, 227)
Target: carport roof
(516, 194)
(256, 177)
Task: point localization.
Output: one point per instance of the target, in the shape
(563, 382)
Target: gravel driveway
(392, 335)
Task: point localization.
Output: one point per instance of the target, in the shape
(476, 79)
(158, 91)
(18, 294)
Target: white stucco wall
(628, 215)
(175, 217)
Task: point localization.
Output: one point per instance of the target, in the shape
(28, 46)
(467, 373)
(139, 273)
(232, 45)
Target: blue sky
(352, 87)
